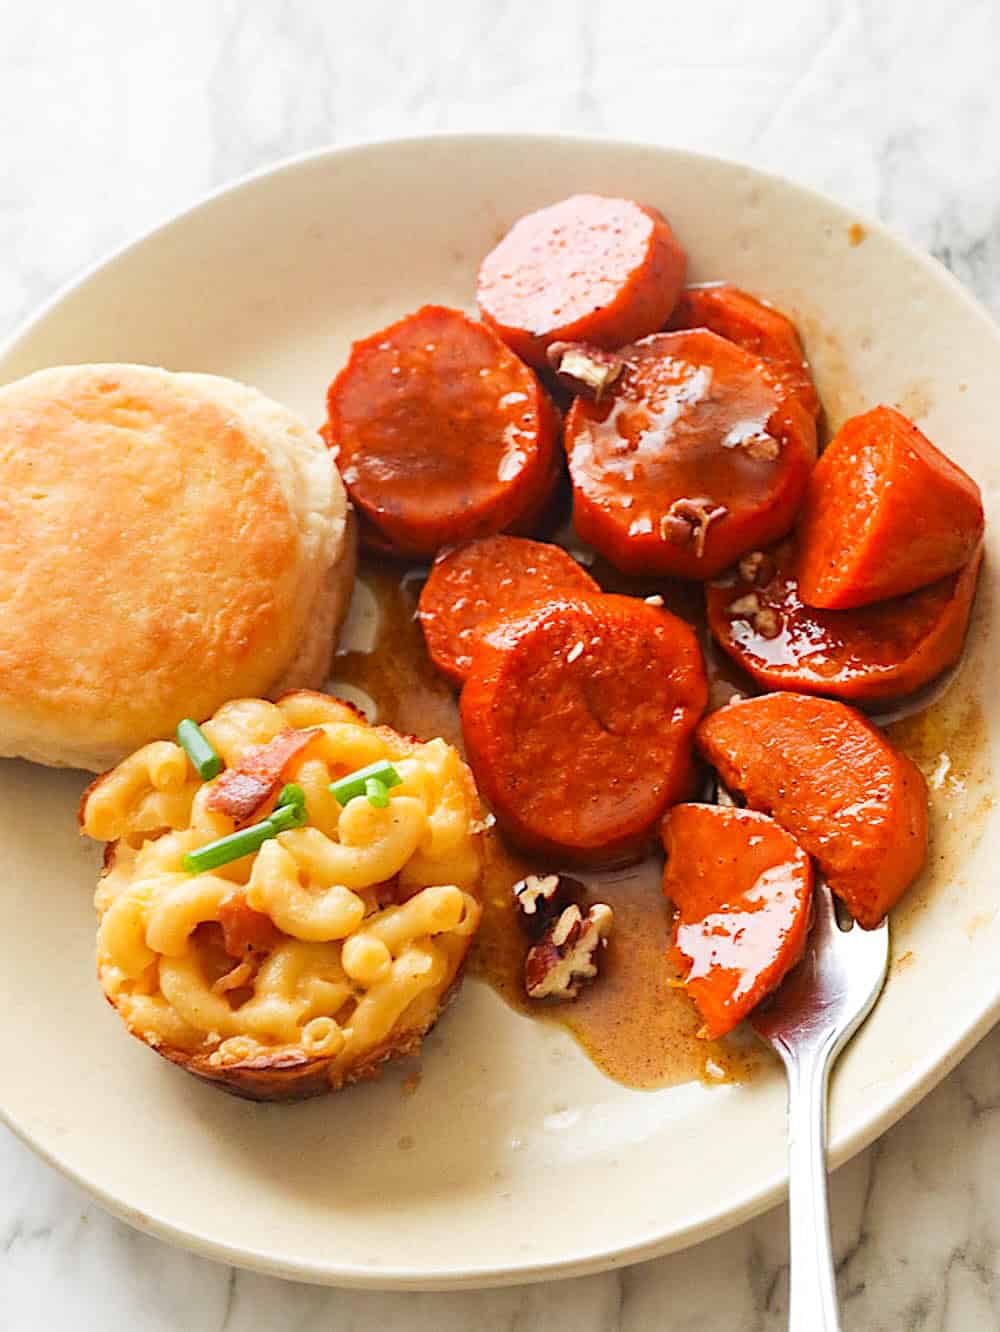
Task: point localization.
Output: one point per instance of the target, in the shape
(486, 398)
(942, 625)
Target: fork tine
(824, 912)
(872, 943)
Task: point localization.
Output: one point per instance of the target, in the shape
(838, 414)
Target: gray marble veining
(114, 116)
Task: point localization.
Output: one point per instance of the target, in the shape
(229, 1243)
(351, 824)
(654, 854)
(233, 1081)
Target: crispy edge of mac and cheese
(368, 912)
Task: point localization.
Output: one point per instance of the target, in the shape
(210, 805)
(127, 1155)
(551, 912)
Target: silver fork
(808, 1022)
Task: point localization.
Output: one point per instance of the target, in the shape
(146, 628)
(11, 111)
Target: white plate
(515, 1159)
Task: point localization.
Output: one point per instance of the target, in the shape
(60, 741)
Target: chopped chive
(244, 842)
(288, 816)
(377, 793)
(355, 783)
(291, 794)
(192, 739)
(234, 847)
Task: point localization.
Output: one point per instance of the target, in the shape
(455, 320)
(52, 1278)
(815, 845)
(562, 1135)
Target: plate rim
(922, 1076)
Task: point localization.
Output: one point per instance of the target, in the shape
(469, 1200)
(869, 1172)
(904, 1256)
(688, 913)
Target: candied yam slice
(753, 325)
(693, 459)
(578, 716)
(885, 512)
(484, 579)
(741, 887)
(587, 269)
(873, 654)
(441, 433)
(836, 783)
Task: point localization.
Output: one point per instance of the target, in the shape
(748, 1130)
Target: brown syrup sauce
(635, 1026)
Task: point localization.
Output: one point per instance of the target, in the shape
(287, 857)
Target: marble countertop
(115, 116)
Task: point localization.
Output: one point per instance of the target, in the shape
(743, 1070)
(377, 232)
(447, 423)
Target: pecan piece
(541, 898)
(583, 369)
(689, 520)
(761, 447)
(767, 622)
(757, 568)
(566, 956)
(765, 619)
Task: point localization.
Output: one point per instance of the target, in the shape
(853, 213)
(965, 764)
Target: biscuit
(167, 542)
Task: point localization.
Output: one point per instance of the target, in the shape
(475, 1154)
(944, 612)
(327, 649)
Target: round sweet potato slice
(441, 434)
(578, 715)
(870, 655)
(694, 458)
(485, 579)
(756, 327)
(588, 269)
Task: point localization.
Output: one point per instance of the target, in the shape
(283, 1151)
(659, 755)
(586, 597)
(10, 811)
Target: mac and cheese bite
(285, 927)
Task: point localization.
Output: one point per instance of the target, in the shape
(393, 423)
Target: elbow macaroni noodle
(344, 977)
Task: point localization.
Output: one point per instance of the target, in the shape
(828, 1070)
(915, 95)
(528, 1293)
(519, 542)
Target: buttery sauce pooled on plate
(634, 1025)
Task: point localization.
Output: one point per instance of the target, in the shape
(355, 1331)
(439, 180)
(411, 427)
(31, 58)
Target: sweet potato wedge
(741, 887)
(835, 782)
(885, 512)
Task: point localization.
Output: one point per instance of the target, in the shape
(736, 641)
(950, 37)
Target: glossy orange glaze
(872, 654)
(590, 269)
(741, 887)
(440, 432)
(759, 328)
(885, 512)
(695, 418)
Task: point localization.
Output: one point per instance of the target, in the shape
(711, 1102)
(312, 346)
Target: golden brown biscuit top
(150, 562)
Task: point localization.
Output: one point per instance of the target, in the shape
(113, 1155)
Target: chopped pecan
(761, 447)
(541, 898)
(689, 520)
(584, 369)
(767, 622)
(567, 955)
(757, 568)
(765, 619)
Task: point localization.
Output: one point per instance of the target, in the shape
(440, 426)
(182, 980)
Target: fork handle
(812, 1295)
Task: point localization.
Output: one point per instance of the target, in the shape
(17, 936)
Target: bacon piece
(240, 791)
(245, 930)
